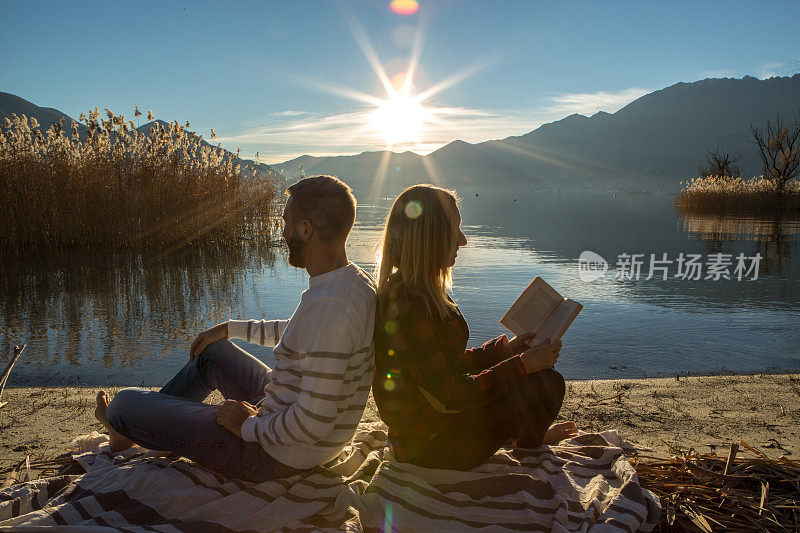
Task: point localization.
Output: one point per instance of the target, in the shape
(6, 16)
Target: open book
(542, 310)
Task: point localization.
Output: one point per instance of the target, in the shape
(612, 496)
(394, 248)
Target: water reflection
(126, 318)
(77, 307)
(774, 234)
(634, 327)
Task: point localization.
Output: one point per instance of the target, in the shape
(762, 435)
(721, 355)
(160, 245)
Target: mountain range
(46, 116)
(651, 144)
(13, 104)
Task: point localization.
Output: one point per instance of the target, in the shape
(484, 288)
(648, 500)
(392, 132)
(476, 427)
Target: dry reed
(721, 193)
(707, 492)
(106, 184)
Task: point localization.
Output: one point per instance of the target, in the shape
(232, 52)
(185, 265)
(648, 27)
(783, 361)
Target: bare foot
(116, 441)
(559, 432)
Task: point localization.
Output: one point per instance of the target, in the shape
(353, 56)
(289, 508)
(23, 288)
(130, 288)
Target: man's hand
(232, 414)
(209, 336)
(517, 345)
(541, 357)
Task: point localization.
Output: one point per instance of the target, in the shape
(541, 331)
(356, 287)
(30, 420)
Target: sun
(399, 119)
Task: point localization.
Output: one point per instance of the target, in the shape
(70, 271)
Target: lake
(129, 319)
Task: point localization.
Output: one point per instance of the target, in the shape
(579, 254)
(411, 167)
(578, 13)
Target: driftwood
(17, 352)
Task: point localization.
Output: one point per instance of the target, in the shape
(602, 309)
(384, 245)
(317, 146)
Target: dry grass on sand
(664, 415)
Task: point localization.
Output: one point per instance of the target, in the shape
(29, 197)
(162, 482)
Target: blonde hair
(420, 233)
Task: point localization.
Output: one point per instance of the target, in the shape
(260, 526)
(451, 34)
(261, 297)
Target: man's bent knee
(215, 349)
(124, 402)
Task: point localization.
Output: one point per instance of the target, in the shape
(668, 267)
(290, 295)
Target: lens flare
(404, 7)
(388, 523)
(399, 81)
(413, 209)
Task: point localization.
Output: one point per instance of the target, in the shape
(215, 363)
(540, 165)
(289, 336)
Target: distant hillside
(651, 144)
(10, 103)
(46, 116)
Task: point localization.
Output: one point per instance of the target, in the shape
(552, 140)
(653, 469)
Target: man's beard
(297, 252)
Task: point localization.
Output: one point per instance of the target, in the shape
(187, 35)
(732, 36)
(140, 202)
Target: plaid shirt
(423, 371)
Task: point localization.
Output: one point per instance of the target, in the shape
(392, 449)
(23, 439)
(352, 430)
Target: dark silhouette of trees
(779, 149)
(720, 163)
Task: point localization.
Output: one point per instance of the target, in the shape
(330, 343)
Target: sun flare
(400, 119)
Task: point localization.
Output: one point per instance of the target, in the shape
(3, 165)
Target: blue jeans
(176, 419)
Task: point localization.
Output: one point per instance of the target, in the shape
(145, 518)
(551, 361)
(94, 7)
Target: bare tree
(720, 163)
(779, 149)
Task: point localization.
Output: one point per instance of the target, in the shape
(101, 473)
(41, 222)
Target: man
(273, 423)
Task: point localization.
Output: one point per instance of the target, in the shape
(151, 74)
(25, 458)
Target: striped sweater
(321, 381)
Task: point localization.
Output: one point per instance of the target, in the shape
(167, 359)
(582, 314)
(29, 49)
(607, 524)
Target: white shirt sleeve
(264, 332)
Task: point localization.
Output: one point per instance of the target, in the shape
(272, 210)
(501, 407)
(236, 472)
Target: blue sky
(278, 77)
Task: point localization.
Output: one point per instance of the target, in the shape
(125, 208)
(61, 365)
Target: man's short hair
(327, 202)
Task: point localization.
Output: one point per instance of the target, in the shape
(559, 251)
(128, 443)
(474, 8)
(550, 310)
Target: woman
(447, 406)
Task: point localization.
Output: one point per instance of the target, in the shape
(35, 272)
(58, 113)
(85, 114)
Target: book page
(532, 308)
(557, 323)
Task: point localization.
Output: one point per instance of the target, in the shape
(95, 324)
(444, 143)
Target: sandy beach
(659, 416)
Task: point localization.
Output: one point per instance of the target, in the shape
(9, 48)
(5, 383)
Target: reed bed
(105, 184)
(722, 193)
(706, 492)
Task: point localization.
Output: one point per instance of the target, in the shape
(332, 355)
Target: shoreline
(659, 416)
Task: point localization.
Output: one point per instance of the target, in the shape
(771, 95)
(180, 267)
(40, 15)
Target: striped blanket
(584, 484)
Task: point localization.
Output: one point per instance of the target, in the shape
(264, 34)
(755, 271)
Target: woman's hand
(517, 345)
(209, 336)
(541, 357)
